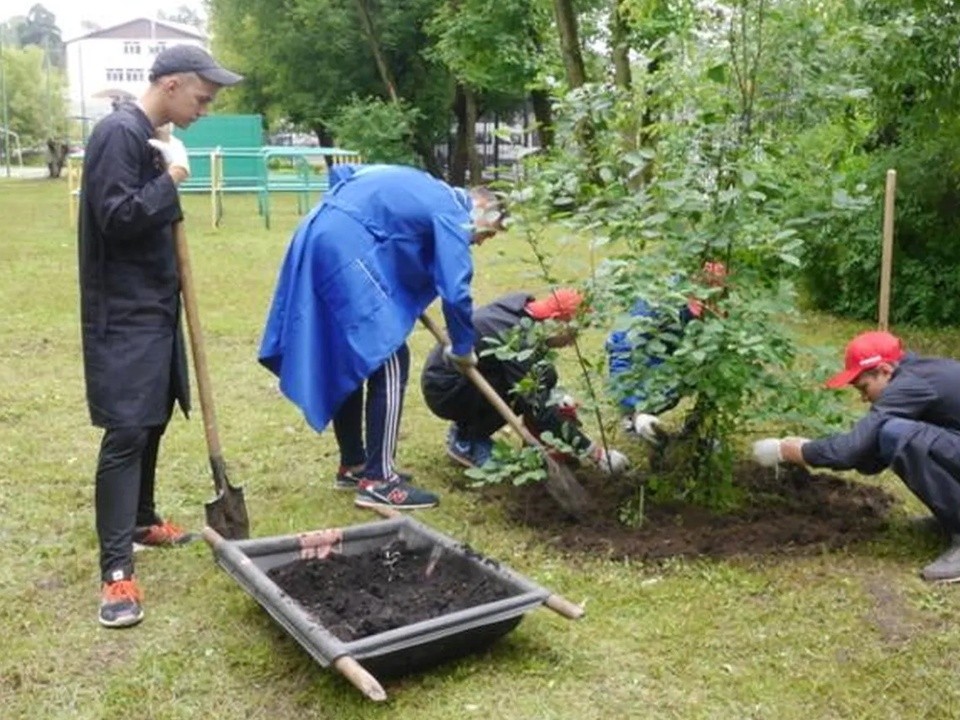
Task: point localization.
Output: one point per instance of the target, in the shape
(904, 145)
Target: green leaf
(718, 73)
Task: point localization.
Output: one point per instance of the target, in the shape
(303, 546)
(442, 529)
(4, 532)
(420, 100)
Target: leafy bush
(379, 131)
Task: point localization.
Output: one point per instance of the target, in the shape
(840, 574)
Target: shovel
(561, 482)
(227, 513)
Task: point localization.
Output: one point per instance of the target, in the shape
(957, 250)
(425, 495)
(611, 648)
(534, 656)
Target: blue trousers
(927, 458)
(384, 405)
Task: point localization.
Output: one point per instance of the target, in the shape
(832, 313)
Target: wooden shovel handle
(484, 387)
(197, 345)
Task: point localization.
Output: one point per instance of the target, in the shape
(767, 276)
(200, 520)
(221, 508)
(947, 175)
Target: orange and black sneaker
(163, 534)
(120, 599)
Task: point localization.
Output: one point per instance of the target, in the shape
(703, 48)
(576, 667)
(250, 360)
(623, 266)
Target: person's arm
(122, 205)
(853, 450)
(452, 272)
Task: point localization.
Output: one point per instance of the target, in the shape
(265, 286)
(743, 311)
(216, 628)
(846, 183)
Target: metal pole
(46, 65)
(3, 100)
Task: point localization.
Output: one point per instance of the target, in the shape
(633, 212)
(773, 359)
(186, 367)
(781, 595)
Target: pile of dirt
(355, 596)
(789, 511)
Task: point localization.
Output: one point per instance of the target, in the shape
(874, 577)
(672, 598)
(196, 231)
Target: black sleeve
(122, 204)
(853, 450)
(546, 417)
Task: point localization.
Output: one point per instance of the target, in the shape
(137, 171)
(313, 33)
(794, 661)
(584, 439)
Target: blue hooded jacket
(360, 269)
(623, 353)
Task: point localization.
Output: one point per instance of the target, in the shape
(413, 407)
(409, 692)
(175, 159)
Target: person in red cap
(913, 428)
(628, 355)
(452, 396)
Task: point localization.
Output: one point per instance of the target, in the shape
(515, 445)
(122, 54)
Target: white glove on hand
(649, 428)
(610, 462)
(462, 362)
(174, 152)
(767, 452)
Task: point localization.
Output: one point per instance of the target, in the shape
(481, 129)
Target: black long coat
(133, 352)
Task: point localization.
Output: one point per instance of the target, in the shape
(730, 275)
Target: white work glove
(767, 452)
(462, 362)
(610, 462)
(174, 152)
(649, 428)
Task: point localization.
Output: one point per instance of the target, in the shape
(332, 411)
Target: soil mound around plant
(355, 596)
(792, 512)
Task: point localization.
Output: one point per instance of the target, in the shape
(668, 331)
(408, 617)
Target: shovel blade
(563, 486)
(227, 514)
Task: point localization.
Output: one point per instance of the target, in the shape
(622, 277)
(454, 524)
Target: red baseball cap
(865, 352)
(712, 274)
(559, 304)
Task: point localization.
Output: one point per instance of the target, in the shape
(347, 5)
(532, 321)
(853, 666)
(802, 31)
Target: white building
(114, 62)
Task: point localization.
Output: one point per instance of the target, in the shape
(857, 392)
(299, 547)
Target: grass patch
(842, 634)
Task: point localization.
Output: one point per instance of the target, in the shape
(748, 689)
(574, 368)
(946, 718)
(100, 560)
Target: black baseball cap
(191, 58)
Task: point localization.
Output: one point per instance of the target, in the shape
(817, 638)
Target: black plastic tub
(405, 649)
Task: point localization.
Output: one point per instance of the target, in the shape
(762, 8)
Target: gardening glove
(567, 408)
(649, 428)
(610, 462)
(174, 152)
(461, 362)
(767, 452)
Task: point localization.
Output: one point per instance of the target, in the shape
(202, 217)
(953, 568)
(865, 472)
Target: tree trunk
(566, 16)
(366, 23)
(543, 112)
(325, 139)
(620, 40)
(429, 157)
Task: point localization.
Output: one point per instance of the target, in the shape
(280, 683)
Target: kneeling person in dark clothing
(913, 427)
(451, 395)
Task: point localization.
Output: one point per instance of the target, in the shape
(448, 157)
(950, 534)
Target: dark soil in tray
(793, 512)
(354, 596)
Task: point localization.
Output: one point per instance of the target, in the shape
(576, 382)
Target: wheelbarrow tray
(404, 649)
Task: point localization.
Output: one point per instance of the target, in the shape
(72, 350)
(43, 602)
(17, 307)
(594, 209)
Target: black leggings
(126, 473)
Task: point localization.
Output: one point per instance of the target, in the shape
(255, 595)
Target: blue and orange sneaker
(161, 534)
(120, 602)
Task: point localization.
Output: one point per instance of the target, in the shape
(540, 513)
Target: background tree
(40, 29)
(185, 15)
(306, 63)
(34, 114)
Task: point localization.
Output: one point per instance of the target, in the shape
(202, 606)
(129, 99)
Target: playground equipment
(227, 157)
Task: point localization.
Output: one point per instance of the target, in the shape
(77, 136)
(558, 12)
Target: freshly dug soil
(794, 512)
(354, 596)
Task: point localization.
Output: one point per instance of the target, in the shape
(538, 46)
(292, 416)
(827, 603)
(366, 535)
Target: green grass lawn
(851, 634)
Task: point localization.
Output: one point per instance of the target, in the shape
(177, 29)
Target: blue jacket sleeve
(452, 273)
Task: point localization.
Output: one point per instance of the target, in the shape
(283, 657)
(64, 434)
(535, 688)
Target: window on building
(159, 47)
(134, 74)
(114, 74)
(131, 47)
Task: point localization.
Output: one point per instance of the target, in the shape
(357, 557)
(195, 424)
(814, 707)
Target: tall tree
(306, 59)
(185, 15)
(40, 29)
(567, 27)
(34, 114)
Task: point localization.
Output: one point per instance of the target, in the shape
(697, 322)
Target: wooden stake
(886, 261)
